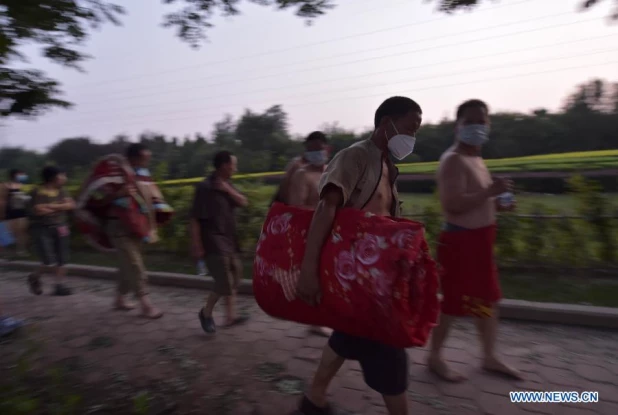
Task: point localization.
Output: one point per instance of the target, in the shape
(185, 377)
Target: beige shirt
(362, 173)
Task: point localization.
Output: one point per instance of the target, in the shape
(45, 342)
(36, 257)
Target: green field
(416, 203)
(564, 162)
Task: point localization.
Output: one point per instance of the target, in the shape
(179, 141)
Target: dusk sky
(517, 55)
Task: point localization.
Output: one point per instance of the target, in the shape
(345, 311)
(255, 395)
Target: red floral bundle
(377, 277)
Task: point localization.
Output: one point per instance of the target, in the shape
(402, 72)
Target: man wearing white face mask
(361, 176)
(316, 148)
(469, 279)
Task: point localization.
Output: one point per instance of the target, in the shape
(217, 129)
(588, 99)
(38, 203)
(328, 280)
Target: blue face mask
(142, 171)
(473, 134)
(22, 178)
(316, 158)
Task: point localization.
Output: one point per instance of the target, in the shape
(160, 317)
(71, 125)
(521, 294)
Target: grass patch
(567, 290)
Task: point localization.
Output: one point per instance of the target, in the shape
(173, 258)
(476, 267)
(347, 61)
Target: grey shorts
(52, 246)
(226, 270)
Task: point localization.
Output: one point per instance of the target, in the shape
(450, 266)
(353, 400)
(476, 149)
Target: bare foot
(495, 365)
(320, 331)
(124, 306)
(151, 313)
(441, 369)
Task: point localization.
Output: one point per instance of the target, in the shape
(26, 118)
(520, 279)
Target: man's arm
(38, 208)
(337, 184)
(284, 186)
(67, 204)
(299, 190)
(237, 197)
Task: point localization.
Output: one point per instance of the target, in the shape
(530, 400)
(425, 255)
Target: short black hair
(471, 103)
(135, 150)
(221, 158)
(395, 107)
(13, 173)
(316, 136)
(49, 173)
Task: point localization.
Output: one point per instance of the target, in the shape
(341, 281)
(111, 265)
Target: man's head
(138, 155)
(316, 148)
(472, 125)
(225, 164)
(396, 122)
(53, 176)
(19, 176)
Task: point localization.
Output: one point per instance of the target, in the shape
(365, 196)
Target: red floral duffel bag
(377, 276)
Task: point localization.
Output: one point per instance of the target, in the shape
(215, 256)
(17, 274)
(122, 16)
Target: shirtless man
(469, 281)
(363, 177)
(315, 143)
(300, 184)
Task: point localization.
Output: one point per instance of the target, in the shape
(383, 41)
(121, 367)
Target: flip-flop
(309, 408)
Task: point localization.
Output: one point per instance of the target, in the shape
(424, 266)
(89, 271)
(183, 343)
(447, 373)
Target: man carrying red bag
(362, 177)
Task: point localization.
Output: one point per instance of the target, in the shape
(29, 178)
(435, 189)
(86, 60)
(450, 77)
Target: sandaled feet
(307, 407)
(441, 369)
(320, 331)
(62, 290)
(208, 323)
(497, 366)
(34, 283)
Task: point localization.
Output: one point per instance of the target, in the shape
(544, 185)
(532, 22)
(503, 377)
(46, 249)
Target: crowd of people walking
(362, 176)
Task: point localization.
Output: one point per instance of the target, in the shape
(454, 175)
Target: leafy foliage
(450, 6)
(59, 27)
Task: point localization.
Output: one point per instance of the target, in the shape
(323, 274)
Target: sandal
(309, 408)
(34, 282)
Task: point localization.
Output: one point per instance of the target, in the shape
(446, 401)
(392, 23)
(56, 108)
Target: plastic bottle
(506, 199)
(201, 268)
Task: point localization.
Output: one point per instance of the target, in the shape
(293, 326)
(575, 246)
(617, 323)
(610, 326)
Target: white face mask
(316, 158)
(473, 134)
(400, 145)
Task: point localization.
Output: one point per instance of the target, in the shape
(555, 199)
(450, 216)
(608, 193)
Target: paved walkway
(119, 363)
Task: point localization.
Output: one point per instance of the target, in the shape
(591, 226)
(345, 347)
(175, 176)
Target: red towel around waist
(469, 276)
(377, 277)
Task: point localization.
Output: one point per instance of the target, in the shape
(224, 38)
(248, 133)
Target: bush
(538, 236)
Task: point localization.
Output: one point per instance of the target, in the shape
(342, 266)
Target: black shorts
(385, 368)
